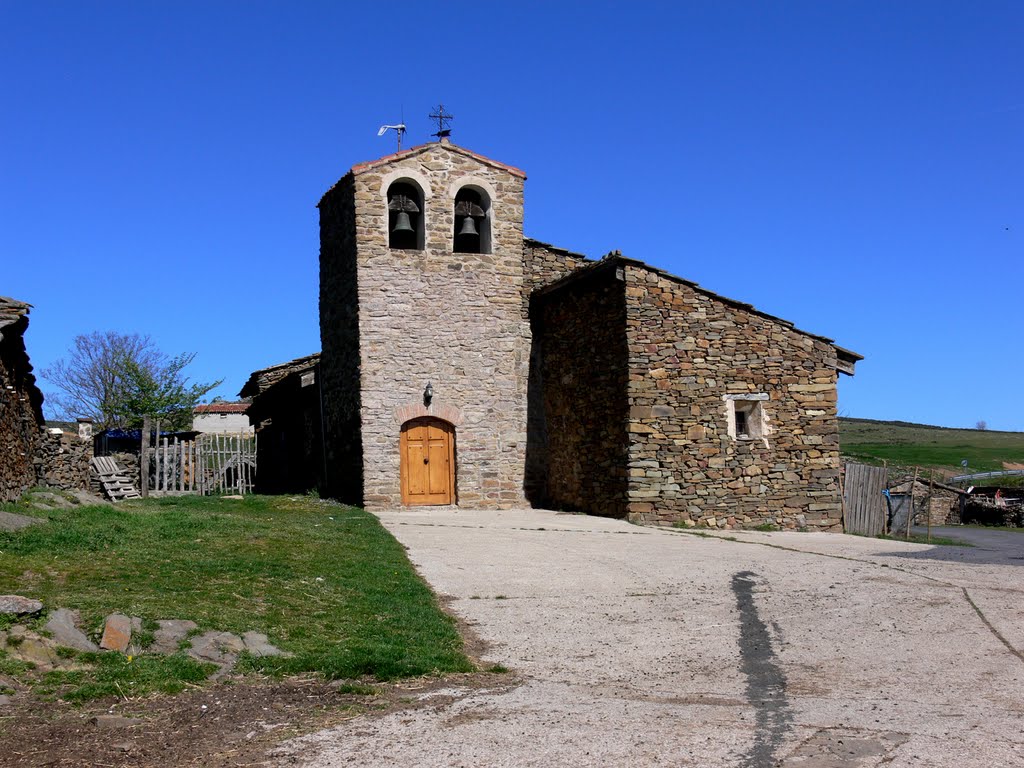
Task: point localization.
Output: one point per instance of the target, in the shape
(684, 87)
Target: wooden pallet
(113, 479)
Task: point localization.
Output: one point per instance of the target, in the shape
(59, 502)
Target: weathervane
(399, 129)
(443, 118)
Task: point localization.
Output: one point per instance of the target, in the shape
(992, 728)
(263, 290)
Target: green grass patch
(14, 667)
(357, 689)
(903, 444)
(323, 581)
(111, 674)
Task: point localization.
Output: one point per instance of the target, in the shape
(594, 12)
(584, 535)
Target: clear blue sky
(855, 167)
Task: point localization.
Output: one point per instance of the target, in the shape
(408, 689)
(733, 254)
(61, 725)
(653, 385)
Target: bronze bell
(402, 223)
(468, 227)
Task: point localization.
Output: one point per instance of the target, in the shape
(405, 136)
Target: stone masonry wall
(339, 337)
(544, 264)
(686, 350)
(21, 418)
(62, 461)
(580, 332)
(452, 319)
(289, 456)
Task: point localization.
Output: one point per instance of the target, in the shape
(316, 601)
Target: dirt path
(643, 647)
(235, 723)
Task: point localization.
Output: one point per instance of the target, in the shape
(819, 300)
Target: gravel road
(645, 647)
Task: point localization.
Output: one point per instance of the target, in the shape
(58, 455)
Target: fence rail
(984, 475)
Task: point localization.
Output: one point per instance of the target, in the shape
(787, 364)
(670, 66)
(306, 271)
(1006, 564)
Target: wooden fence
(864, 507)
(209, 464)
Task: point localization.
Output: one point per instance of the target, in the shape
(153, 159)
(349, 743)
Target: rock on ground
(171, 632)
(25, 645)
(16, 605)
(48, 500)
(257, 644)
(12, 522)
(218, 647)
(117, 633)
(89, 499)
(63, 625)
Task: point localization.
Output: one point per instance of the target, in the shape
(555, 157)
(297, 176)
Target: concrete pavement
(647, 647)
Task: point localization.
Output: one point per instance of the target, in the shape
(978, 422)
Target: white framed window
(746, 417)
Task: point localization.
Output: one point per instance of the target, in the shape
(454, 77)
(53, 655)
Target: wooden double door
(428, 462)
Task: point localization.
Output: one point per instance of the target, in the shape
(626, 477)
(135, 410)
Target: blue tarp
(135, 434)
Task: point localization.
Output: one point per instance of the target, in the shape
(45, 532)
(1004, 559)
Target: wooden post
(165, 466)
(931, 492)
(199, 464)
(144, 457)
(156, 458)
(842, 498)
(885, 517)
(910, 512)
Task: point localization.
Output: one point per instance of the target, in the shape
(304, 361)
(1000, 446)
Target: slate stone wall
(62, 461)
(579, 335)
(543, 264)
(339, 372)
(21, 417)
(686, 350)
(418, 316)
(287, 414)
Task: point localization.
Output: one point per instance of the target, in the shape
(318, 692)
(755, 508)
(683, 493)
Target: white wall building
(221, 418)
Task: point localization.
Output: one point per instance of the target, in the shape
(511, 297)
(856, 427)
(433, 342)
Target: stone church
(464, 364)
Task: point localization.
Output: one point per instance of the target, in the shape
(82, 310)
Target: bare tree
(116, 379)
(982, 425)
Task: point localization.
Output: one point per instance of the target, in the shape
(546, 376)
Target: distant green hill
(903, 444)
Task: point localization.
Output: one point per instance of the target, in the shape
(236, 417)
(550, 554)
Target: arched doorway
(428, 462)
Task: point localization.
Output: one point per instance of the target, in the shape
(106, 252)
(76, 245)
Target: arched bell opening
(405, 216)
(472, 221)
(427, 462)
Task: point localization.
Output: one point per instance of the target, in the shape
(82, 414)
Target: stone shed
(285, 411)
(465, 364)
(30, 454)
(21, 403)
(666, 402)
(939, 501)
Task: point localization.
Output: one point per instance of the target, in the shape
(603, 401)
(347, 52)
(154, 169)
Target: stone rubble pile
(63, 630)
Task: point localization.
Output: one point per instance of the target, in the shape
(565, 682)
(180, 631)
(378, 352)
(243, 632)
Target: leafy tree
(117, 378)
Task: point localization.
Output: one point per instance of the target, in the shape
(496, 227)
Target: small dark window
(741, 424)
(746, 417)
(472, 222)
(405, 216)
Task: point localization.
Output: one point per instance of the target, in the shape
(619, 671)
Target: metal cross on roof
(443, 118)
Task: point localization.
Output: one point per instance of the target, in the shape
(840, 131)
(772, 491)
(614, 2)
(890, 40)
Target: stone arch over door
(427, 465)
